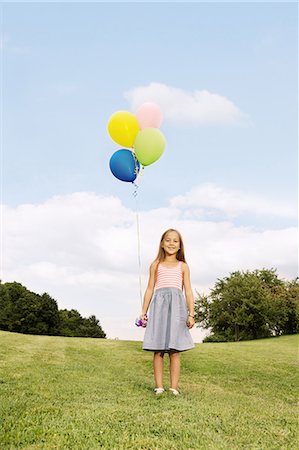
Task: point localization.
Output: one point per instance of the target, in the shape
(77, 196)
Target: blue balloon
(124, 166)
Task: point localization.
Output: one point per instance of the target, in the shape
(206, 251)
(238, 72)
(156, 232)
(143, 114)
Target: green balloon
(149, 145)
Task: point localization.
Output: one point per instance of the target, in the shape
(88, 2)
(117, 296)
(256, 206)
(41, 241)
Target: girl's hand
(144, 317)
(190, 322)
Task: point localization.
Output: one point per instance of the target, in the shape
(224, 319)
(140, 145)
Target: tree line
(26, 312)
(249, 305)
(245, 305)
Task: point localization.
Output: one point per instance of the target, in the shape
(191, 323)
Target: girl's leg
(174, 366)
(158, 369)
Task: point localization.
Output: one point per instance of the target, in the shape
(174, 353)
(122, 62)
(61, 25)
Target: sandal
(159, 391)
(174, 391)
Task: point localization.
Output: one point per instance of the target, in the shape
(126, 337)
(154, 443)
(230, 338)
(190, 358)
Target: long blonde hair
(180, 256)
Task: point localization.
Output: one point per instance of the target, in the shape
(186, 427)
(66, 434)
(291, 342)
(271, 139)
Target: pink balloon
(149, 115)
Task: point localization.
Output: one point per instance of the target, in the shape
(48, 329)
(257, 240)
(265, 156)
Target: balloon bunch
(139, 134)
(144, 144)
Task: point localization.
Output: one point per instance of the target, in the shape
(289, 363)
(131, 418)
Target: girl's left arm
(189, 295)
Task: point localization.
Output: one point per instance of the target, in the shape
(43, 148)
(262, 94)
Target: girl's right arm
(150, 287)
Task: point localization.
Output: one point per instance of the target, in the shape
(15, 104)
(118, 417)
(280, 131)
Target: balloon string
(138, 243)
(139, 256)
(138, 171)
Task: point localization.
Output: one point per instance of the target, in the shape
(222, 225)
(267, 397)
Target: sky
(225, 77)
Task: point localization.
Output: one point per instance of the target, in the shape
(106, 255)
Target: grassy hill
(76, 393)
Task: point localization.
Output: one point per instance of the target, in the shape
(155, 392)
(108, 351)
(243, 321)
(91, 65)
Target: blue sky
(68, 66)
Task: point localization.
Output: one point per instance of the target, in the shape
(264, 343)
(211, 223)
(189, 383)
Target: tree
(94, 328)
(248, 305)
(5, 307)
(24, 311)
(73, 324)
(292, 300)
(70, 322)
(48, 314)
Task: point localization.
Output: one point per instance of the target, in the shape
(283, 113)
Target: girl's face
(171, 243)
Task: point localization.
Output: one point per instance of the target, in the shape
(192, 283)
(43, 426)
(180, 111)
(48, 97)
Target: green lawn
(75, 393)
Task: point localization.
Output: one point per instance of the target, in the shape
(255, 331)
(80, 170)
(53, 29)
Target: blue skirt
(167, 329)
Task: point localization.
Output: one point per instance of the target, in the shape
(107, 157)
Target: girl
(171, 316)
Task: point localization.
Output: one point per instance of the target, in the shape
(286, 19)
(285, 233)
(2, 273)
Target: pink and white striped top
(169, 276)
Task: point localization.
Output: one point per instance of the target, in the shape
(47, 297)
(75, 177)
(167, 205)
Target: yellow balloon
(123, 128)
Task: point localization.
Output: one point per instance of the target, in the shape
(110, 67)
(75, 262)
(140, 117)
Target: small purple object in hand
(141, 323)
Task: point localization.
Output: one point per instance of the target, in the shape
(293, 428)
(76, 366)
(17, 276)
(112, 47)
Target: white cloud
(82, 249)
(184, 107)
(211, 199)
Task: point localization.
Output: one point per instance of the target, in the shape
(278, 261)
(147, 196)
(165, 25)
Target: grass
(74, 393)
